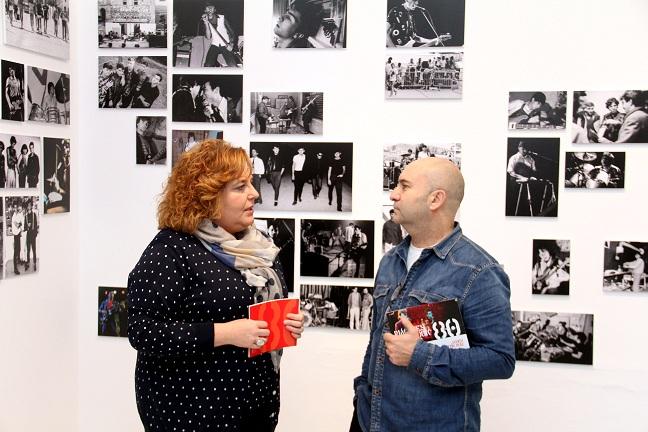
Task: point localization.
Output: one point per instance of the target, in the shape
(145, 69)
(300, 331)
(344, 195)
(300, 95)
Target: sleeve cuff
(204, 334)
(422, 352)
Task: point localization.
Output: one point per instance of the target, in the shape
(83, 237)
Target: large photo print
(137, 24)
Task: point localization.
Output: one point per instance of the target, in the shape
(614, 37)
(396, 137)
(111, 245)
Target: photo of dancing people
(184, 140)
(287, 113)
(20, 162)
(132, 82)
(48, 96)
(532, 177)
(22, 223)
(425, 23)
(56, 173)
(150, 140)
(537, 110)
(624, 267)
(550, 272)
(207, 98)
(610, 117)
(113, 312)
(555, 337)
(595, 170)
(282, 233)
(208, 33)
(337, 306)
(433, 75)
(337, 248)
(141, 24)
(13, 90)
(309, 23)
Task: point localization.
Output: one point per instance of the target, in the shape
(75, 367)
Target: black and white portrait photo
(56, 175)
(113, 312)
(20, 161)
(537, 110)
(48, 96)
(132, 82)
(337, 248)
(336, 306)
(282, 233)
(550, 272)
(425, 23)
(610, 117)
(303, 176)
(287, 113)
(150, 140)
(392, 232)
(532, 177)
(624, 267)
(432, 75)
(13, 90)
(555, 337)
(309, 23)
(208, 33)
(140, 24)
(184, 140)
(397, 156)
(22, 223)
(2, 219)
(595, 170)
(207, 98)
(38, 25)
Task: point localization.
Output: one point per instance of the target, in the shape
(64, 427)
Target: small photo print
(132, 82)
(23, 161)
(309, 23)
(610, 117)
(337, 248)
(287, 113)
(207, 98)
(537, 110)
(22, 224)
(56, 174)
(397, 156)
(337, 306)
(113, 312)
(48, 96)
(392, 232)
(13, 90)
(282, 233)
(555, 337)
(184, 140)
(150, 140)
(433, 75)
(595, 170)
(550, 272)
(532, 177)
(141, 24)
(425, 23)
(624, 267)
(2, 221)
(208, 33)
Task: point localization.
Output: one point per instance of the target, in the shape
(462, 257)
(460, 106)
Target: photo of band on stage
(287, 113)
(425, 23)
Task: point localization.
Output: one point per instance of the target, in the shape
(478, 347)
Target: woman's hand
(243, 333)
(295, 324)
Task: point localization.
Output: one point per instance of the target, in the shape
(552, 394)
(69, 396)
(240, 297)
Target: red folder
(274, 313)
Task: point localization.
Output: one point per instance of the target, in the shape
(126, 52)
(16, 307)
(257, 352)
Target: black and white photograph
(392, 232)
(20, 162)
(1, 239)
(337, 248)
(309, 23)
(551, 263)
(113, 312)
(41, 26)
(48, 96)
(556, 337)
(207, 98)
(532, 177)
(140, 24)
(13, 90)
(56, 175)
(150, 140)
(425, 23)
(132, 82)
(302, 176)
(208, 33)
(336, 306)
(595, 170)
(537, 110)
(282, 233)
(22, 223)
(397, 156)
(624, 267)
(184, 140)
(610, 117)
(287, 113)
(432, 75)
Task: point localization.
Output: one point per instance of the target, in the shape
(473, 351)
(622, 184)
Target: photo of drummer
(550, 272)
(624, 266)
(532, 177)
(595, 170)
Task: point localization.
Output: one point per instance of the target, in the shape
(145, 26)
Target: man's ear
(436, 199)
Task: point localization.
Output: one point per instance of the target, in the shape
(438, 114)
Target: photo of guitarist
(14, 93)
(411, 26)
(308, 110)
(550, 273)
(223, 50)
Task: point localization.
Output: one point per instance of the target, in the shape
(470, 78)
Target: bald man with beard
(406, 383)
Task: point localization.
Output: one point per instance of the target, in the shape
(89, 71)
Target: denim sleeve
(486, 312)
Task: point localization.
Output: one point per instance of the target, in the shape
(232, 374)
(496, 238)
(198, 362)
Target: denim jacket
(441, 388)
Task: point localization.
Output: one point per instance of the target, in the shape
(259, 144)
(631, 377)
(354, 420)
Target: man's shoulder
(466, 250)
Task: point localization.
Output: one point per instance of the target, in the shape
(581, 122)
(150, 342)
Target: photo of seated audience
(337, 306)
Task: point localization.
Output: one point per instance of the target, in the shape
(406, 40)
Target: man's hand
(400, 348)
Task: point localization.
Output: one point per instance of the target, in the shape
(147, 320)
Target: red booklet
(274, 313)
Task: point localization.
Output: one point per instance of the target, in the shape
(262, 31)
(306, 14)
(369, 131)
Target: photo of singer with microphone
(425, 23)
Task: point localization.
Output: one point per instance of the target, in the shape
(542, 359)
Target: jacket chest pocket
(417, 297)
(381, 300)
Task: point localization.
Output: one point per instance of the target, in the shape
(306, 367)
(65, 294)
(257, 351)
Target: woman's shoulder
(167, 237)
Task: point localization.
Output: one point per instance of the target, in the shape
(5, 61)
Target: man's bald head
(441, 174)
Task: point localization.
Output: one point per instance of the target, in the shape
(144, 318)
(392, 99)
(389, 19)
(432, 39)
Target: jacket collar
(441, 249)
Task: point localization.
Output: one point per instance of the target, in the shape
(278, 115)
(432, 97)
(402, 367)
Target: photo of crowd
(48, 96)
(13, 90)
(433, 75)
(150, 140)
(595, 170)
(309, 23)
(132, 82)
(551, 263)
(142, 24)
(56, 175)
(20, 163)
(537, 110)
(113, 312)
(287, 113)
(22, 223)
(184, 140)
(624, 267)
(337, 306)
(207, 98)
(282, 233)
